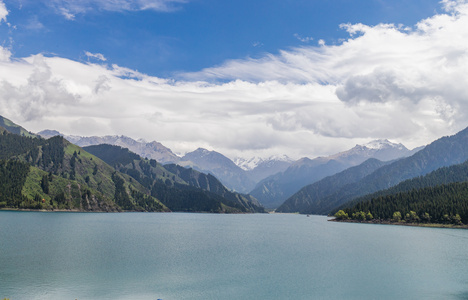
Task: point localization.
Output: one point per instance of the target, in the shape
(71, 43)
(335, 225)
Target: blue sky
(245, 78)
(193, 35)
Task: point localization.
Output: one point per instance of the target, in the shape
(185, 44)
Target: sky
(244, 78)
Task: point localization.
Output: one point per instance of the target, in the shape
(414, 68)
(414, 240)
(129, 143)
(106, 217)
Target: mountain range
(330, 193)
(50, 174)
(270, 180)
(150, 150)
(233, 176)
(53, 173)
(274, 190)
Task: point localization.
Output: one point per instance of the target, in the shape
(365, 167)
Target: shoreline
(429, 225)
(51, 210)
(119, 212)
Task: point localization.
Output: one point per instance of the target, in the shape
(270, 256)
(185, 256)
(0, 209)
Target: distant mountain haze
(309, 197)
(270, 180)
(53, 173)
(274, 190)
(221, 167)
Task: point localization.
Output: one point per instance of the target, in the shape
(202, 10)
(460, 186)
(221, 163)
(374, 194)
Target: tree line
(446, 203)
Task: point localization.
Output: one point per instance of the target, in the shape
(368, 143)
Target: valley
(45, 171)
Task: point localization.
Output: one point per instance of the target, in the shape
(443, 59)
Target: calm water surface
(203, 256)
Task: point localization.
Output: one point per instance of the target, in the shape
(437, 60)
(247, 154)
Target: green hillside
(443, 204)
(437, 197)
(14, 128)
(55, 174)
(310, 198)
(444, 152)
(180, 189)
(445, 175)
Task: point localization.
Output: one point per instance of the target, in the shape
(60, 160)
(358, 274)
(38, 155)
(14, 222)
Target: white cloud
(303, 39)
(40, 96)
(5, 54)
(70, 8)
(385, 81)
(67, 14)
(97, 56)
(257, 44)
(34, 24)
(3, 12)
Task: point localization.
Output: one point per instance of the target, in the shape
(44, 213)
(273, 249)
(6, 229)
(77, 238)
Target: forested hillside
(444, 175)
(54, 174)
(51, 174)
(446, 151)
(445, 204)
(179, 188)
(310, 198)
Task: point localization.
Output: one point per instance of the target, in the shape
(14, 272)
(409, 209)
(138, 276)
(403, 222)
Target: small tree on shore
(457, 220)
(360, 216)
(396, 216)
(341, 215)
(426, 218)
(412, 217)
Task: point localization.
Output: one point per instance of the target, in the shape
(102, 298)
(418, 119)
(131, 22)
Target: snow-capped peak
(248, 164)
(381, 144)
(252, 163)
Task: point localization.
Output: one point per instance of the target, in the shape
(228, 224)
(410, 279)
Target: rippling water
(205, 256)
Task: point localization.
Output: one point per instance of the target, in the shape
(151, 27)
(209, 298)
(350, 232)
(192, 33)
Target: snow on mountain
(382, 144)
(248, 164)
(221, 167)
(383, 150)
(154, 150)
(252, 163)
(274, 190)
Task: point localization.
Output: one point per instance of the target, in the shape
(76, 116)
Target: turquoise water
(204, 256)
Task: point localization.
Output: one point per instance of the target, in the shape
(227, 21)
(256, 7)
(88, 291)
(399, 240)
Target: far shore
(384, 222)
(45, 210)
(119, 212)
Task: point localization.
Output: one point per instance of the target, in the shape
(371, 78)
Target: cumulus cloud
(384, 81)
(39, 97)
(5, 54)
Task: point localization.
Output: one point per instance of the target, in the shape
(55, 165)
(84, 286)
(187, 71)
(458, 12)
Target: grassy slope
(91, 189)
(14, 128)
(179, 181)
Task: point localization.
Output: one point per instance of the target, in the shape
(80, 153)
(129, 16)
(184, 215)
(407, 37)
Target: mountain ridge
(274, 190)
(234, 177)
(443, 152)
(55, 174)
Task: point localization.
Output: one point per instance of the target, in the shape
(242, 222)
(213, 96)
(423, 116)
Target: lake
(175, 256)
